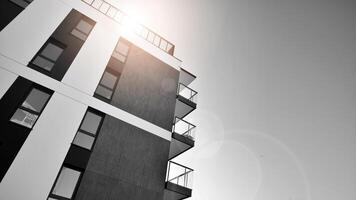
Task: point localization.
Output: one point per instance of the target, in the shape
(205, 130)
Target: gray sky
(277, 94)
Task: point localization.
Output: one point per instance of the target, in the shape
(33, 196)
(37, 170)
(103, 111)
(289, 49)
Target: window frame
(28, 2)
(117, 52)
(57, 43)
(75, 28)
(23, 99)
(51, 195)
(117, 75)
(102, 115)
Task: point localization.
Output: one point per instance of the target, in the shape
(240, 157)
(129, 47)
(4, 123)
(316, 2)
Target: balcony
(122, 18)
(179, 181)
(183, 134)
(186, 97)
(186, 101)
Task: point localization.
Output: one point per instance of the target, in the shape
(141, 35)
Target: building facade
(92, 105)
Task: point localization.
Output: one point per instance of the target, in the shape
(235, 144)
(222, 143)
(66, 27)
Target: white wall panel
(25, 35)
(37, 164)
(6, 80)
(87, 68)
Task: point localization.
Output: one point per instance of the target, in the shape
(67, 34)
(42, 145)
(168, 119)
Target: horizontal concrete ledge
(186, 192)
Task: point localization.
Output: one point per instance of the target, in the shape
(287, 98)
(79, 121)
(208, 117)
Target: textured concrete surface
(126, 163)
(147, 88)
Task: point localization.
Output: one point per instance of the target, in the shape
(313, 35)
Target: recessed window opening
(107, 84)
(29, 111)
(48, 55)
(22, 3)
(65, 184)
(82, 30)
(121, 51)
(88, 130)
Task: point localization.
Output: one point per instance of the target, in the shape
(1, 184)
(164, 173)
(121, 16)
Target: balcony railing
(187, 92)
(184, 128)
(179, 175)
(122, 18)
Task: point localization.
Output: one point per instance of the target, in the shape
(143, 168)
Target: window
(65, 184)
(28, 112)
(22, 3)
(121, 51)
(48, 55)
(111, 76)
(88, 129)
(107, 84)
(82, 30)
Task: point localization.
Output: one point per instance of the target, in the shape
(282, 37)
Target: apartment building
(93, 105)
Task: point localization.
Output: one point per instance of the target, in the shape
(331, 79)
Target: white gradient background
(277, 94)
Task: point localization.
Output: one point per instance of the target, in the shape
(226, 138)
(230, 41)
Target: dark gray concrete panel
(8, 12)
(126, 163)
(147, 88)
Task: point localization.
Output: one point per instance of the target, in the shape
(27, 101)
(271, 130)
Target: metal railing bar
(144, 27)
(181, 165)
(189, 88)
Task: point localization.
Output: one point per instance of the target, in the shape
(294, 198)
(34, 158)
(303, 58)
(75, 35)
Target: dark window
(22, 3)
(20, 106)
(9, 9)
(121, 51)
(59, 51)
(66, 183)
(88, 129)
(107, 84)
(48, 55)
(111, 76)
(82, 30)
(28, 112)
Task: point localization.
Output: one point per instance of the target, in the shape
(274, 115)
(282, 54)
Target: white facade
(38, 162)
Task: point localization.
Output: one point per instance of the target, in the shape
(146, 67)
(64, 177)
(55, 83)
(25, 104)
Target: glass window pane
(91, 122)
(104, 92)
(150, 37)
(43, 63)
(169, 47)
(36, 100)
(97, 3)
(112, 11)
(83, 140)
(66, 182)
(52, 51)
(119, 56)
(163, 44)
(21, 3)
(79, 34)
(116, 68)
(108, 80)
(104, 7)
(122, 48)
(24, 118)
(156, 40)
(84, 27)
